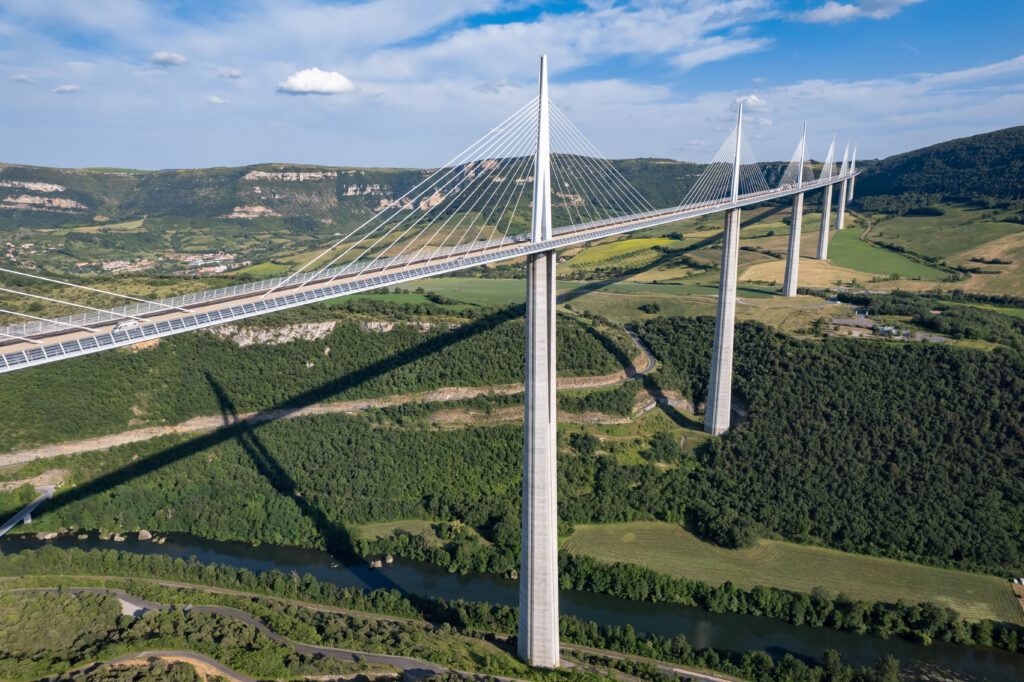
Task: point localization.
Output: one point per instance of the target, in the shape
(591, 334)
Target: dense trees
(990, 164)
(181, 378)
(909, 450)
(934, 312)
(51, 633)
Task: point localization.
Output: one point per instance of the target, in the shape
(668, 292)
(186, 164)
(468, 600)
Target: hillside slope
(990, 164)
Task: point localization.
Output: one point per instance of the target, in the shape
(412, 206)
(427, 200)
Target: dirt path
(642, 364)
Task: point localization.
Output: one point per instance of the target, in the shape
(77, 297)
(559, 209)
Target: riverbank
(720, 631)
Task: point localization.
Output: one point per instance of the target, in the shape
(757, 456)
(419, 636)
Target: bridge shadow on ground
(336, 537)
(244, 432)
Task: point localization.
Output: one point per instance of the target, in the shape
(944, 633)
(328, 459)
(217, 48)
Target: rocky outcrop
(248, 336)
(290, 176)
(248, 212)
(145, 535)
(33, 203)
(34, 186)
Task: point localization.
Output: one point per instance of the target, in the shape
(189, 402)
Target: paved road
(413, 667)
(45, 493)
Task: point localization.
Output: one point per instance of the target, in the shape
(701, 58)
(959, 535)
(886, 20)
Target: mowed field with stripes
(672, 550)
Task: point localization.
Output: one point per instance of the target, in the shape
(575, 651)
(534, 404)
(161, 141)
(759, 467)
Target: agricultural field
(847, 250)
(960, 229)
(669, 549)
(618, 249)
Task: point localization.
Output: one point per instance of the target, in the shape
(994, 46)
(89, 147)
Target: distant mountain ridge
(990, 164)
(321, 199)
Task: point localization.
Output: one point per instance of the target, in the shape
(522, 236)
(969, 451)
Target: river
(724, 631)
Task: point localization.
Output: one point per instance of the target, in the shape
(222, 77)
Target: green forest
(180, 378)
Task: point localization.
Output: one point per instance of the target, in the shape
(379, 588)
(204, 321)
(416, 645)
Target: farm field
(670, 549)
(617, 249)
(847, 250)
(961, 229)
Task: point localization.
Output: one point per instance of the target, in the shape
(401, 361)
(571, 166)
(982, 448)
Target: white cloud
(66, 89)
(833, 12)
(753, 102)
(22, 78)
(716, 49)
(166, 59)
(233, 74)
(213, 99)
(316, 82)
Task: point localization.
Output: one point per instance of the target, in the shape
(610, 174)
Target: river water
(731, 632)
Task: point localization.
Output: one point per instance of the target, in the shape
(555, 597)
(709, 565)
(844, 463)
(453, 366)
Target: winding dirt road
(642, 364)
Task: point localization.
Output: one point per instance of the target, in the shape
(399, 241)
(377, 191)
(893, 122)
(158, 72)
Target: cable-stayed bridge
(500, 198)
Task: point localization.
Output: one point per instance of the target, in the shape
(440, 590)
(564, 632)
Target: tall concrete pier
(719, 403)
(538, 579)
(826, 219)
(841, 207)
(789, 286)
(853, 169)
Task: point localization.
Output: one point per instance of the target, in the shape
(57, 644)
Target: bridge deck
(46, 492)
(235, 303)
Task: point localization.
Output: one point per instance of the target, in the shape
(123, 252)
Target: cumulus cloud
(233, 74)
(752, 102)
(213, 99)
(316, 82)
(833, 12)
(66, 89)
(22, 78)
(163, 58)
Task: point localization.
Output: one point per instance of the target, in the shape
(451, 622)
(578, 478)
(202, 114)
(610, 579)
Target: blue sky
(190, 83)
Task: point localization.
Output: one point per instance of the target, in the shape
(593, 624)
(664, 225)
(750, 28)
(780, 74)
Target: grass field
(411, 526)
(670, 549)
(603, 252)
(267, 270)
(130, 226)
(847, 250)
(961, 228)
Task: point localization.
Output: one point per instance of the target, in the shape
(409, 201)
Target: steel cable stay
(604, 183)
(453, 174)
(461, 157)
(601, 159)
(512, 151)
(507, 144)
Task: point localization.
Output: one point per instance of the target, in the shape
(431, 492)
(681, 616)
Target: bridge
(25, 515)
(465, 214)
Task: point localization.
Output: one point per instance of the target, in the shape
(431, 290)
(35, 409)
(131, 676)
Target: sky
(194, 83)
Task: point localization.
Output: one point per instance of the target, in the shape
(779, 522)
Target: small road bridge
(25, 515)
(531, 185)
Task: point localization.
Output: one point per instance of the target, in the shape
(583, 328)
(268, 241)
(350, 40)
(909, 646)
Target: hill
(990, 165)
